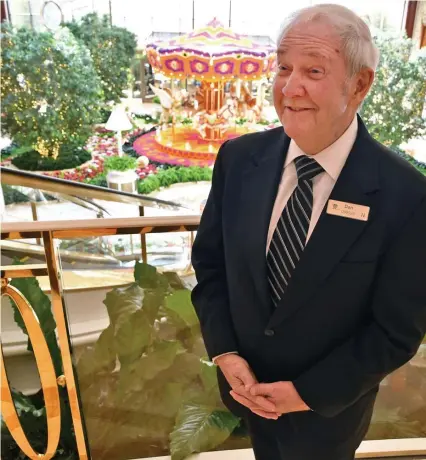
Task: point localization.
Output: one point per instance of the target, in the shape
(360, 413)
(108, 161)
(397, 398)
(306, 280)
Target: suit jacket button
(269, 332)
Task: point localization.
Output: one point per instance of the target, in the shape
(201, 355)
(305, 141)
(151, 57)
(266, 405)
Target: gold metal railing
(48, 231)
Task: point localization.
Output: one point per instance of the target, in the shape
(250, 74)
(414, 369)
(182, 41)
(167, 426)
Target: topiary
(112, 49)
(50, 91)
(393, 109)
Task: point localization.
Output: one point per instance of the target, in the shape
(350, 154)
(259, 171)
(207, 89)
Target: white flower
(43, 107)
(21, 80)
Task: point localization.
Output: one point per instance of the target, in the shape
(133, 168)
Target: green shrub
(124, 163)
(69, 157)
(393, 109)
(99, 180)
(112, 49)
(148, 185)
(50, 91)
(173, 175)
(156, 100)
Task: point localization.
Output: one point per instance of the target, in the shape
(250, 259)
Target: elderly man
(311, 252)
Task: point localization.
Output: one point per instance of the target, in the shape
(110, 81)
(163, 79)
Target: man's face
(310, 88)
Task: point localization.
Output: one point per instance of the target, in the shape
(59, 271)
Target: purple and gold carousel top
(212, 53)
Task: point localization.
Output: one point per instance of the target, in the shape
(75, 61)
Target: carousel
(218, 106)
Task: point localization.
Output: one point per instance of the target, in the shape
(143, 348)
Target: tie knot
(307, 168)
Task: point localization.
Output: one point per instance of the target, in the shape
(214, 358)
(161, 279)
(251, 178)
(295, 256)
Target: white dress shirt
(332, 159)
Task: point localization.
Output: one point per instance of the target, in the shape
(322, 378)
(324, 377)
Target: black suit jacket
(355, 309)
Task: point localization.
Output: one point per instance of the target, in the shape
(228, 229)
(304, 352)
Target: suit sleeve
(210, 295)
(392, 337)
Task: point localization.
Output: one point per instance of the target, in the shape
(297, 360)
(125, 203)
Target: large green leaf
(158, 360)
(133, 376)
(132, 337)
(97, 359)
(200, 428)
(132, 328)
(152, 301)
(30, 289)
(180, 303)
(148, 278)
(122, 302)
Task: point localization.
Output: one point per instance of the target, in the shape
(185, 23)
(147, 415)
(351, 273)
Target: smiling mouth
(295, 109)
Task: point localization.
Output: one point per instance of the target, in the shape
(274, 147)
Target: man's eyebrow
(281, 51)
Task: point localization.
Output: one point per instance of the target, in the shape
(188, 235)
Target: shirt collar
(332, 158)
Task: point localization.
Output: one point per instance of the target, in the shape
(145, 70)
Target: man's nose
(293, 87)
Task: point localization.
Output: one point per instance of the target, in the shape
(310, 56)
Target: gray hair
(357, 44)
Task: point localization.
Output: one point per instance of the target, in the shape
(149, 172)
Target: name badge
(349, 210)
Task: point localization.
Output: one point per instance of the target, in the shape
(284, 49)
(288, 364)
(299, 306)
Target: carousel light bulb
(187, 146)
(210, 148)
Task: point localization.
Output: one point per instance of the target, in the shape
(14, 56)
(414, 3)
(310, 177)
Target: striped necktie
(289, 238)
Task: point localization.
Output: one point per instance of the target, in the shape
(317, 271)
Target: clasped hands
(268, 400)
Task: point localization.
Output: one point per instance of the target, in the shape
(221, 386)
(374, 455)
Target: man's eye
(283, 67)
(316, 71)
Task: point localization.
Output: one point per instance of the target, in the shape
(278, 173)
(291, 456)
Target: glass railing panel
(145, 383)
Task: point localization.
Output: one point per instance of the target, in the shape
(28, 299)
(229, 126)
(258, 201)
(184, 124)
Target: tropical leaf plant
(145, 384)
(161, 390)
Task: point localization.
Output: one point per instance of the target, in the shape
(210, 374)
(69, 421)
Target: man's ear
(364, 80)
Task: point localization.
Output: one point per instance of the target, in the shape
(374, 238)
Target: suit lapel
(333, 235)
(261, 179)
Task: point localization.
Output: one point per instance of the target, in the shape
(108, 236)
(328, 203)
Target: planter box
(125, 181)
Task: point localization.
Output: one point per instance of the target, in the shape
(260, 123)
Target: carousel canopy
(212, 53)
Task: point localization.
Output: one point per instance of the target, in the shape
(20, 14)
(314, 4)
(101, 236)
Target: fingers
(254, 407)
(265, 414)
(261, 401)
(262, 389)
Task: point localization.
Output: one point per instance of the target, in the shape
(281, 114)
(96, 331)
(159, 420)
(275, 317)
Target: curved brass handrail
(53, 184)
(47, 379)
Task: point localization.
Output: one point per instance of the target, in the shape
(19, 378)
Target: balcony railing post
(143, 239)
(53, 269)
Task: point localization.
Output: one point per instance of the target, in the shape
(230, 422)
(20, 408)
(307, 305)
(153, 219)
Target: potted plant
(121, 174)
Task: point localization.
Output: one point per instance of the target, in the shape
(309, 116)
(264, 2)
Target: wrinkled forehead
(312, 39)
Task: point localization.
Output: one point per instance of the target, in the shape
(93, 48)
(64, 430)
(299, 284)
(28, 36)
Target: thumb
(247, 377)
(262, 389)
